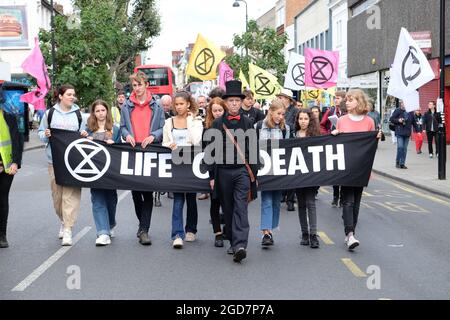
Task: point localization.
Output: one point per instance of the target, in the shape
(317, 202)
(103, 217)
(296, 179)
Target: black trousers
(337, 193)
(351, 201)
(430, 136)
(290, 196)
(143, 205)
(5, 185)
(233, 186)
(214, 212)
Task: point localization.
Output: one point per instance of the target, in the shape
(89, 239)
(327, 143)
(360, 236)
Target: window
(339, 33)
(322, 46)
(362, 7)
(317, 42)
(157, 76)
(280, 16)
(327, 42)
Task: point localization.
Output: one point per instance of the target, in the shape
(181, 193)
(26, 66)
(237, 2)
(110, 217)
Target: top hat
(233, 89)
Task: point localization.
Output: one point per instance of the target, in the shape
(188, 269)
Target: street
(403, 253)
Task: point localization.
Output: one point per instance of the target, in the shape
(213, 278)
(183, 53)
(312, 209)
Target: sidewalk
(422, 172)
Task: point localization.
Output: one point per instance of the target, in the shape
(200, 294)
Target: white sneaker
(112, 233)
(190, 237)
(103, 240)
(352, 243)
(67, 238)
(177, 243)
(346, 239)
(61, 231)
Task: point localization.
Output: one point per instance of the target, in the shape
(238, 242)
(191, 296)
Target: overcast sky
(181, 20)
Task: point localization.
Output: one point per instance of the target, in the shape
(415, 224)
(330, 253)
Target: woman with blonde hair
(271, 128)
(356, 120)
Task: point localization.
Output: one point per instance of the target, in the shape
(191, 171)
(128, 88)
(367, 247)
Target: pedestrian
(286, 97)
(431, 121)
(233, 180)
(142, 122)
(317, 114)
(215, 110)
(375, 115)
(10, 161)
(166, 104)
(403, 125)
(249, 110)
(183, 129)
(392, 127)
(328, 124)
(216, 92)
(202, 102)
(100, 127)
(273, 127)
(66, 115)
(417, 130)
(307, 126)
(355, 121)
(115, 110)
(299, 105)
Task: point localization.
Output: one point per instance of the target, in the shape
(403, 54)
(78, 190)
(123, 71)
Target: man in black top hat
(231, 180)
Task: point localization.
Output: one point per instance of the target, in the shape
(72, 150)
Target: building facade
(373, 32)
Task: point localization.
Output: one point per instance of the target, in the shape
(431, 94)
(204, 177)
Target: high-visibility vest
(115, 112)
(5, 144)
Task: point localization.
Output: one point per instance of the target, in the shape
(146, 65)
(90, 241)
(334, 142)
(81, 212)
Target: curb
(430, 190)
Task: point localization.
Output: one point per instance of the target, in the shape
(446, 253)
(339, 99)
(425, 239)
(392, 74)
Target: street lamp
(441, 133)
(236, 5)
(52, 23)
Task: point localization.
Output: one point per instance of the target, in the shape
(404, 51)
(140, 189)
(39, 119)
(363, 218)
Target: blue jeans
(270, 209)
(402, 148)
(177, 214)
(104, 203)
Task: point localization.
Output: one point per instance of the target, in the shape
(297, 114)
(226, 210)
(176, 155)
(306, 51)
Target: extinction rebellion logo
(86, 160)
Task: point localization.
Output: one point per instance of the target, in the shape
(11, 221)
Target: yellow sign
(264, 84)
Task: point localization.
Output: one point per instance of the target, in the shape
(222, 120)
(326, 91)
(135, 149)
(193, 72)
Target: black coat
(431, 118)
(290, 115)
(402, 129)
(15, 138)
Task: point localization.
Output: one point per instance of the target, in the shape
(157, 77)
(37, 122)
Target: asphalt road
(403, 253)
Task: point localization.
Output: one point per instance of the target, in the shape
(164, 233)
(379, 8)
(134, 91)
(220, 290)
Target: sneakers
(67, 238)
(177, 243)
(61, 231)
(144, 239)
(314, 241)
(305, 239)
(402, 166)
(267, 240)
(290, 207)
(218, 242)
(334, 203)
(239, 255)
(230, 250)
(431, 156)
(157, 202)
(190, 237)
(102, 240)
(352, 243)
(112, 234)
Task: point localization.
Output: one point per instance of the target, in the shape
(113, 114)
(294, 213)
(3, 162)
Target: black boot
(3, 241)
(305, 239)
(314, 241)
(219, 241)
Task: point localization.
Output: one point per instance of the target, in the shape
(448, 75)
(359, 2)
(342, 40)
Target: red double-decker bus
(161, 78)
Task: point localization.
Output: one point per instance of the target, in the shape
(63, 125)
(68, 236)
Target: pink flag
(225, 74)
(34, 65)
(321, 68)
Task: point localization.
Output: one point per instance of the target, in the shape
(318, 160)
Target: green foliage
(265, 49)
(103, 45)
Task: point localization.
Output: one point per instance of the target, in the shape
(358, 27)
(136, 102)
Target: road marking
(56, 256)
(49, 262)
(123, 196)
(407, 189)
(324, 191)
(367, 194)
(325, 238)
(357, 272)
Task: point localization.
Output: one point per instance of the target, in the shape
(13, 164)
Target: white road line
(55, 257)
(48, 263)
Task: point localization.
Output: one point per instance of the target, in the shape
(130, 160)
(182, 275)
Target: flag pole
(442, 158)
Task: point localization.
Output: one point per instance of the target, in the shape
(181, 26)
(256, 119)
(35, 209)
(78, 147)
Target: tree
(103, 45)
(265, 49)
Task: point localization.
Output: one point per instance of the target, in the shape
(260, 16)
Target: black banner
(344, 160)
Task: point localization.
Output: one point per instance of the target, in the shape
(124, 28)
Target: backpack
(52, 110)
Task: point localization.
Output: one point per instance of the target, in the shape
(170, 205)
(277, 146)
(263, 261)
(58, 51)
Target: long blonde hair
(274, 106)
